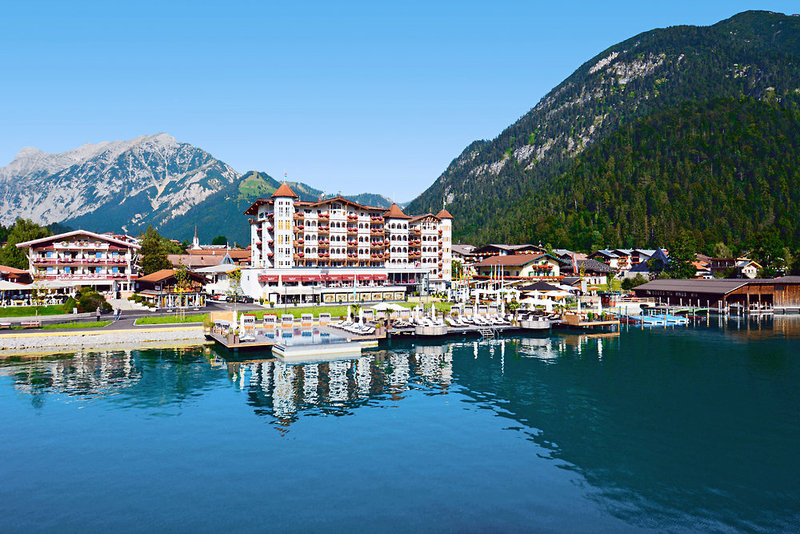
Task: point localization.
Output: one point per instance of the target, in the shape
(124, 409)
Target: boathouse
(778, 294)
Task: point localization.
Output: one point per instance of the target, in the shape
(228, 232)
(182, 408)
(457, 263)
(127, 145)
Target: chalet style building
(81, 258)
(340, 241)
(520, 266)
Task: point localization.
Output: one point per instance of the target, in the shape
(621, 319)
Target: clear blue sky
(347, 96)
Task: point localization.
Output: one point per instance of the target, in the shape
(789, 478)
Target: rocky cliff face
(121, 185)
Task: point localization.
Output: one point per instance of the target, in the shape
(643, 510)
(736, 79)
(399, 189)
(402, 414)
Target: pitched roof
(509, 249)
(642, 266)
(718, 286)
(416, 218)
(539, 286)
(592, 266)
(458, 248)
(444, 214)
(12, 270)
(510, 260)
(166, 274)
(394, 212)
(57, 237)
(158, 276)
(605, 252)
(284, 191)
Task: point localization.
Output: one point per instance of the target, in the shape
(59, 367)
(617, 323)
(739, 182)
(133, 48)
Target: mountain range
(125, 186)
(675, 130)
(492, 186)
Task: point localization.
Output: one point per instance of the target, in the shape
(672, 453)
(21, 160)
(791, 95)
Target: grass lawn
(64, 326)
(172, 319)
(30, 311)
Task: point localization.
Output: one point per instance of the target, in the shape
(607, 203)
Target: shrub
(69, 305)
(89, 300)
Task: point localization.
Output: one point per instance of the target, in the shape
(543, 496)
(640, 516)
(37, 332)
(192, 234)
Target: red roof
(12, 270)
(394, 212)
(284, 191)
(444, 214)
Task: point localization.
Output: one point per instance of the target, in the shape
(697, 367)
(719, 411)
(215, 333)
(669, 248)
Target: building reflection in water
(83, 373)
(287, 391)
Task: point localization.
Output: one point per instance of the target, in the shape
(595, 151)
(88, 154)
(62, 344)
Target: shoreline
(41, 342)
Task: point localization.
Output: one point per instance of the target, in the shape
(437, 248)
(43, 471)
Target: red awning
(267, 278)
(292, 278)
(311, 278)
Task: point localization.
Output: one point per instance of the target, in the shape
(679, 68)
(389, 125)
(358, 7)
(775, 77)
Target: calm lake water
(687, 429)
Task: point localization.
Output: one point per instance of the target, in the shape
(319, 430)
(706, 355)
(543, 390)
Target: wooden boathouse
(781, 295)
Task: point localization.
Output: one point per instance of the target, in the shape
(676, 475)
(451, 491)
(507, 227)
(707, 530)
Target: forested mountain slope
(753, 54)
(725, 170)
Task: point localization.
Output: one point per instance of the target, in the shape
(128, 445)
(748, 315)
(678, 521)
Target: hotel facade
(82, 258)
(311, 248)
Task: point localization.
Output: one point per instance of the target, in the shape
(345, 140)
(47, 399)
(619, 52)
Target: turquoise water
(679, 429)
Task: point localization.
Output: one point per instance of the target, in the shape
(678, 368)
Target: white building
(340, 236)
(81, 258)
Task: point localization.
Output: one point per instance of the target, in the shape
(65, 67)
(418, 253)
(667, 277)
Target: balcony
(79, 261)
(297, 216)
(77, 277)
(352, 231)
(324, 230)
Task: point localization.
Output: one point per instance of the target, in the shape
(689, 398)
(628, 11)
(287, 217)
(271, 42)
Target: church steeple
(195, 241)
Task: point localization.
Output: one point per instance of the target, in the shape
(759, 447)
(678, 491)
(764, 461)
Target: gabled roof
(166, 274)
(59, 237)
(444, 214)
(158, 276)
(605, 252)
(463, 249)
(253, 209)
(720, 286)
(539, 286)
(515, 260)
(284, 191)
(416, 218)
(642, 266)
(12, 270)
(592, 266)
(394, 212)
(508, 249)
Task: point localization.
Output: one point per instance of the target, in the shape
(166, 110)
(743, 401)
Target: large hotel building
(310, 250)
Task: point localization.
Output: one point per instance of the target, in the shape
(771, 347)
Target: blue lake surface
(682, 429)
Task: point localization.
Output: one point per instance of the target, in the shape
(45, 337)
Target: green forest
(724, 170)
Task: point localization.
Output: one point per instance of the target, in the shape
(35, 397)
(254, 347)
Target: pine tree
(153, 256)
